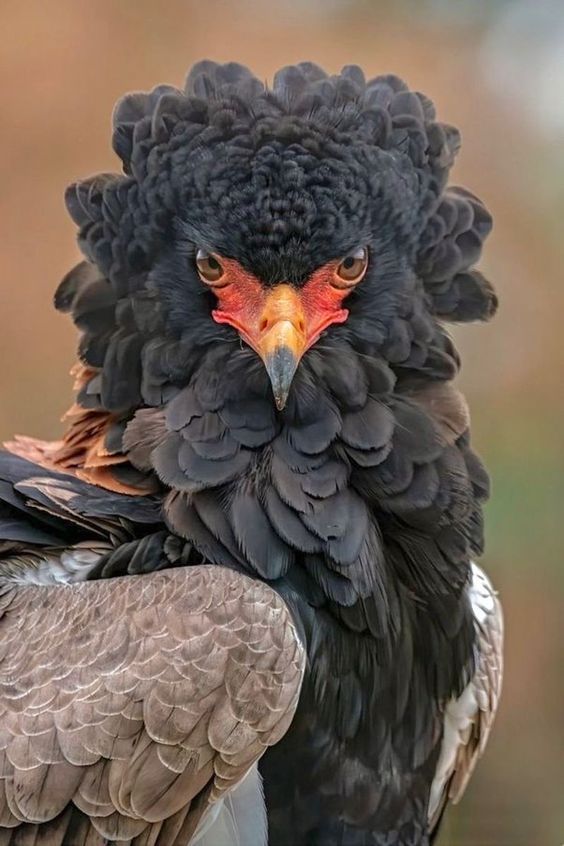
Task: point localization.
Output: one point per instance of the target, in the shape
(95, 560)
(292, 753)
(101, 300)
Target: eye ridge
(210, 269)
(351, 269)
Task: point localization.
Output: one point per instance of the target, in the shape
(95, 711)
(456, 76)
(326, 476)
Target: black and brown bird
(251, 556)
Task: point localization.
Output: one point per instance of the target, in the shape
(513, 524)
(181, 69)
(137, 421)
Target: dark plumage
(360, 500)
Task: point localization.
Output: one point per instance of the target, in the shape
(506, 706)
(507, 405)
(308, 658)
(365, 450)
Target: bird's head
(291, 229)
(262, 242)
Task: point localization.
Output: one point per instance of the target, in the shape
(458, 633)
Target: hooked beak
(282, 339)
(281, 358)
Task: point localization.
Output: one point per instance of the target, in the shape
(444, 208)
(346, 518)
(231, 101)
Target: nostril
(263, 324)
(301, 325)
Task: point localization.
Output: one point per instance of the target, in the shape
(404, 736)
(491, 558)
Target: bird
(240, 600)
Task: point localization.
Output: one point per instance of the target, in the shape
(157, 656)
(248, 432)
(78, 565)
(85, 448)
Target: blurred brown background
(494, 69)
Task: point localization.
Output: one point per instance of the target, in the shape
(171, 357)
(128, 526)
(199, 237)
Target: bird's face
(281, 322)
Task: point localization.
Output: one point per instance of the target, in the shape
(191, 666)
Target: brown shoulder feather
(138, 702)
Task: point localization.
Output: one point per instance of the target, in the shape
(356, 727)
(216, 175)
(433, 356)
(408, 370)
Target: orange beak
(281, 339)
(279, 323)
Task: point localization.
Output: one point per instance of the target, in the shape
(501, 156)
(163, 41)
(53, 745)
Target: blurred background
(495, 70)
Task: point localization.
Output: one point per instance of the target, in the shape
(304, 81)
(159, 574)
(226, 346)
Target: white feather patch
(239, 819)
(468, 719)
(53, 566)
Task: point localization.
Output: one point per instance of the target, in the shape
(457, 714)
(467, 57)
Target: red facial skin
(268, 317)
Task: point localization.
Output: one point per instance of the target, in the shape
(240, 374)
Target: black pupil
(349, 262)
(213, 263)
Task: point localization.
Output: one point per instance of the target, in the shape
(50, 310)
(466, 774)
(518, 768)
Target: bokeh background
(496, 70)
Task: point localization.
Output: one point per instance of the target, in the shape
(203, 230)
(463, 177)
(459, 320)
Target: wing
(132, 708)
(76, 530)
(468, 719)
(40, 505)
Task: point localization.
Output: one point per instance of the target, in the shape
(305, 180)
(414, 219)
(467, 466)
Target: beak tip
(281, 366)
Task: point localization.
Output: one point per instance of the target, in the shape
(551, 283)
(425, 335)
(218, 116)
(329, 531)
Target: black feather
(370, 427)
(256, 537)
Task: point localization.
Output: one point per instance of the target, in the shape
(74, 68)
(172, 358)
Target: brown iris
(351, 269)
(210, 269)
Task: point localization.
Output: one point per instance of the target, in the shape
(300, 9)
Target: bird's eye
(210, 269)
(351, 269)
